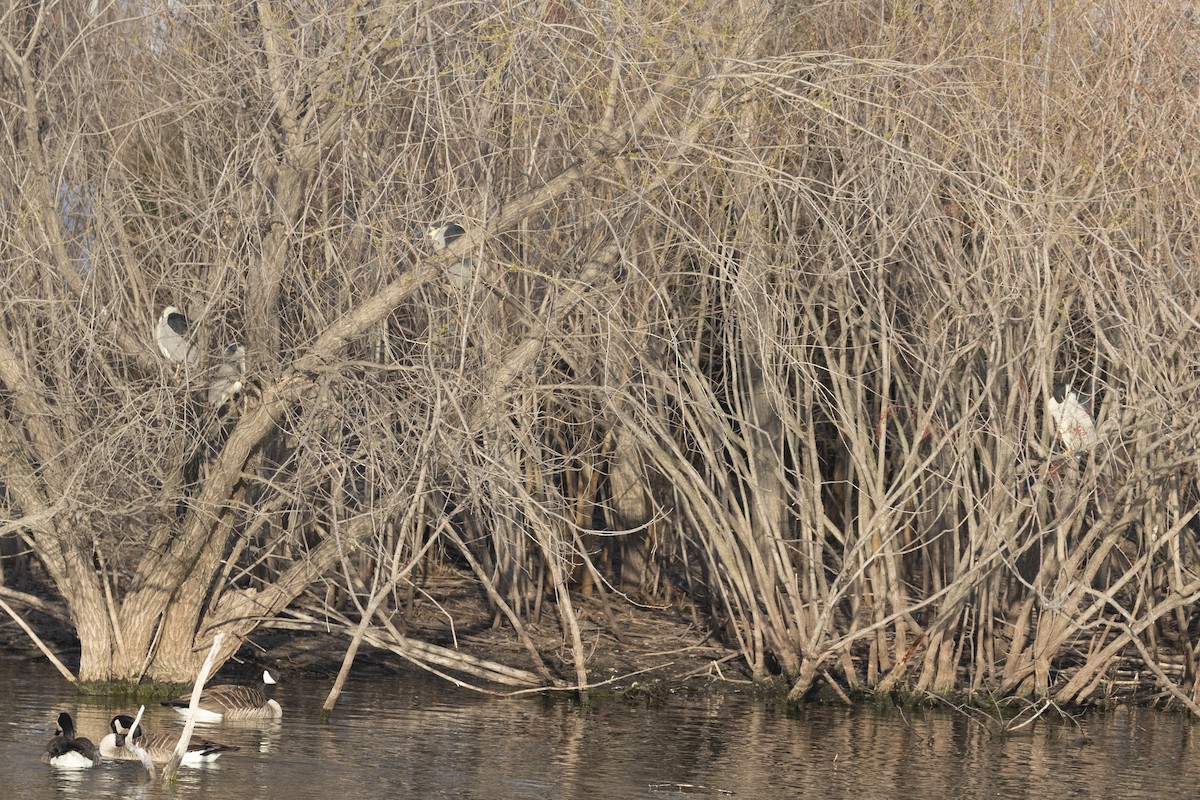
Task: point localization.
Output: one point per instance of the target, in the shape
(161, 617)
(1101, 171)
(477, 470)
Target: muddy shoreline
(634, 651)
(653, 650)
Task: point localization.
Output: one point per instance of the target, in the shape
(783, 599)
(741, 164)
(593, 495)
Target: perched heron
(443, 234)
(1075, 425)
(227, 382)
(176, 337)
(64, 750)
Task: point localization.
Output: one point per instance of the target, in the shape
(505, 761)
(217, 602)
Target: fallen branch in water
(688, 788)
(171, 770)
(66, 673)
(591, 685)
(424, 654)
(132, 746)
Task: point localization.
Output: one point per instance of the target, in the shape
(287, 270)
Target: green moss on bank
(140, 692)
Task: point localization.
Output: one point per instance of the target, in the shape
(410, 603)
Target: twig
(132, 746)
(1163, 678)
(422, 653)
(714, 665)
(66, 673)
(595, 685)
(56, 610)
(688, 788)
(837, 689)
(352, 650)
(171, 770)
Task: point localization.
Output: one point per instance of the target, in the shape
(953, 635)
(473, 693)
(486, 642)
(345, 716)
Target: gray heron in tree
(443, 234)
(227, 382)
(64, 750)
(1072, 421)
(176, 337)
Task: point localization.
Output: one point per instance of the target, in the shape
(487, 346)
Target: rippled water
(420, 738)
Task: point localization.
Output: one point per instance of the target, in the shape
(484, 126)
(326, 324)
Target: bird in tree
(1074, 424)
(227, 382)
(443, 234)
(176, 338)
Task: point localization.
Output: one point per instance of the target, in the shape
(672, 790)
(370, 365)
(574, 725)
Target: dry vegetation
(766, 306)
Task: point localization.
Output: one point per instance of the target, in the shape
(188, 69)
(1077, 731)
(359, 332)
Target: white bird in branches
(443, 234)
(1075, 425)
(176, 337)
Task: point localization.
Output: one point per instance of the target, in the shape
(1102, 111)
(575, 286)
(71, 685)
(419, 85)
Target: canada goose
(227, 383)
(160, 746)
(442, 235)
(176, 337)
(231, 702)
(64, 750)
(1075, 425)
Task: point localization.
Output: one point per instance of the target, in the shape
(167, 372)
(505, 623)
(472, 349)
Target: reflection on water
(420, 738)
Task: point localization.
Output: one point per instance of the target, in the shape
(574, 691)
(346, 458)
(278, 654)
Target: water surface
(417, 737)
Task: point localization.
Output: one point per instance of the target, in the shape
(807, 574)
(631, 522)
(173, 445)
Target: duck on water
(231, 702)
(160, 746)
(65, 750)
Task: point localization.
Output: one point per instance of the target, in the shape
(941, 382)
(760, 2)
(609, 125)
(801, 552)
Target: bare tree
(267, 171)
(760, 310)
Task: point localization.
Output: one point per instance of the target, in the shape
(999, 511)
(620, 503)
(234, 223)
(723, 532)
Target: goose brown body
(228, 702)
(160, 746)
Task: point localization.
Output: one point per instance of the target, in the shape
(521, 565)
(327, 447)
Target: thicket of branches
(765, 321)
